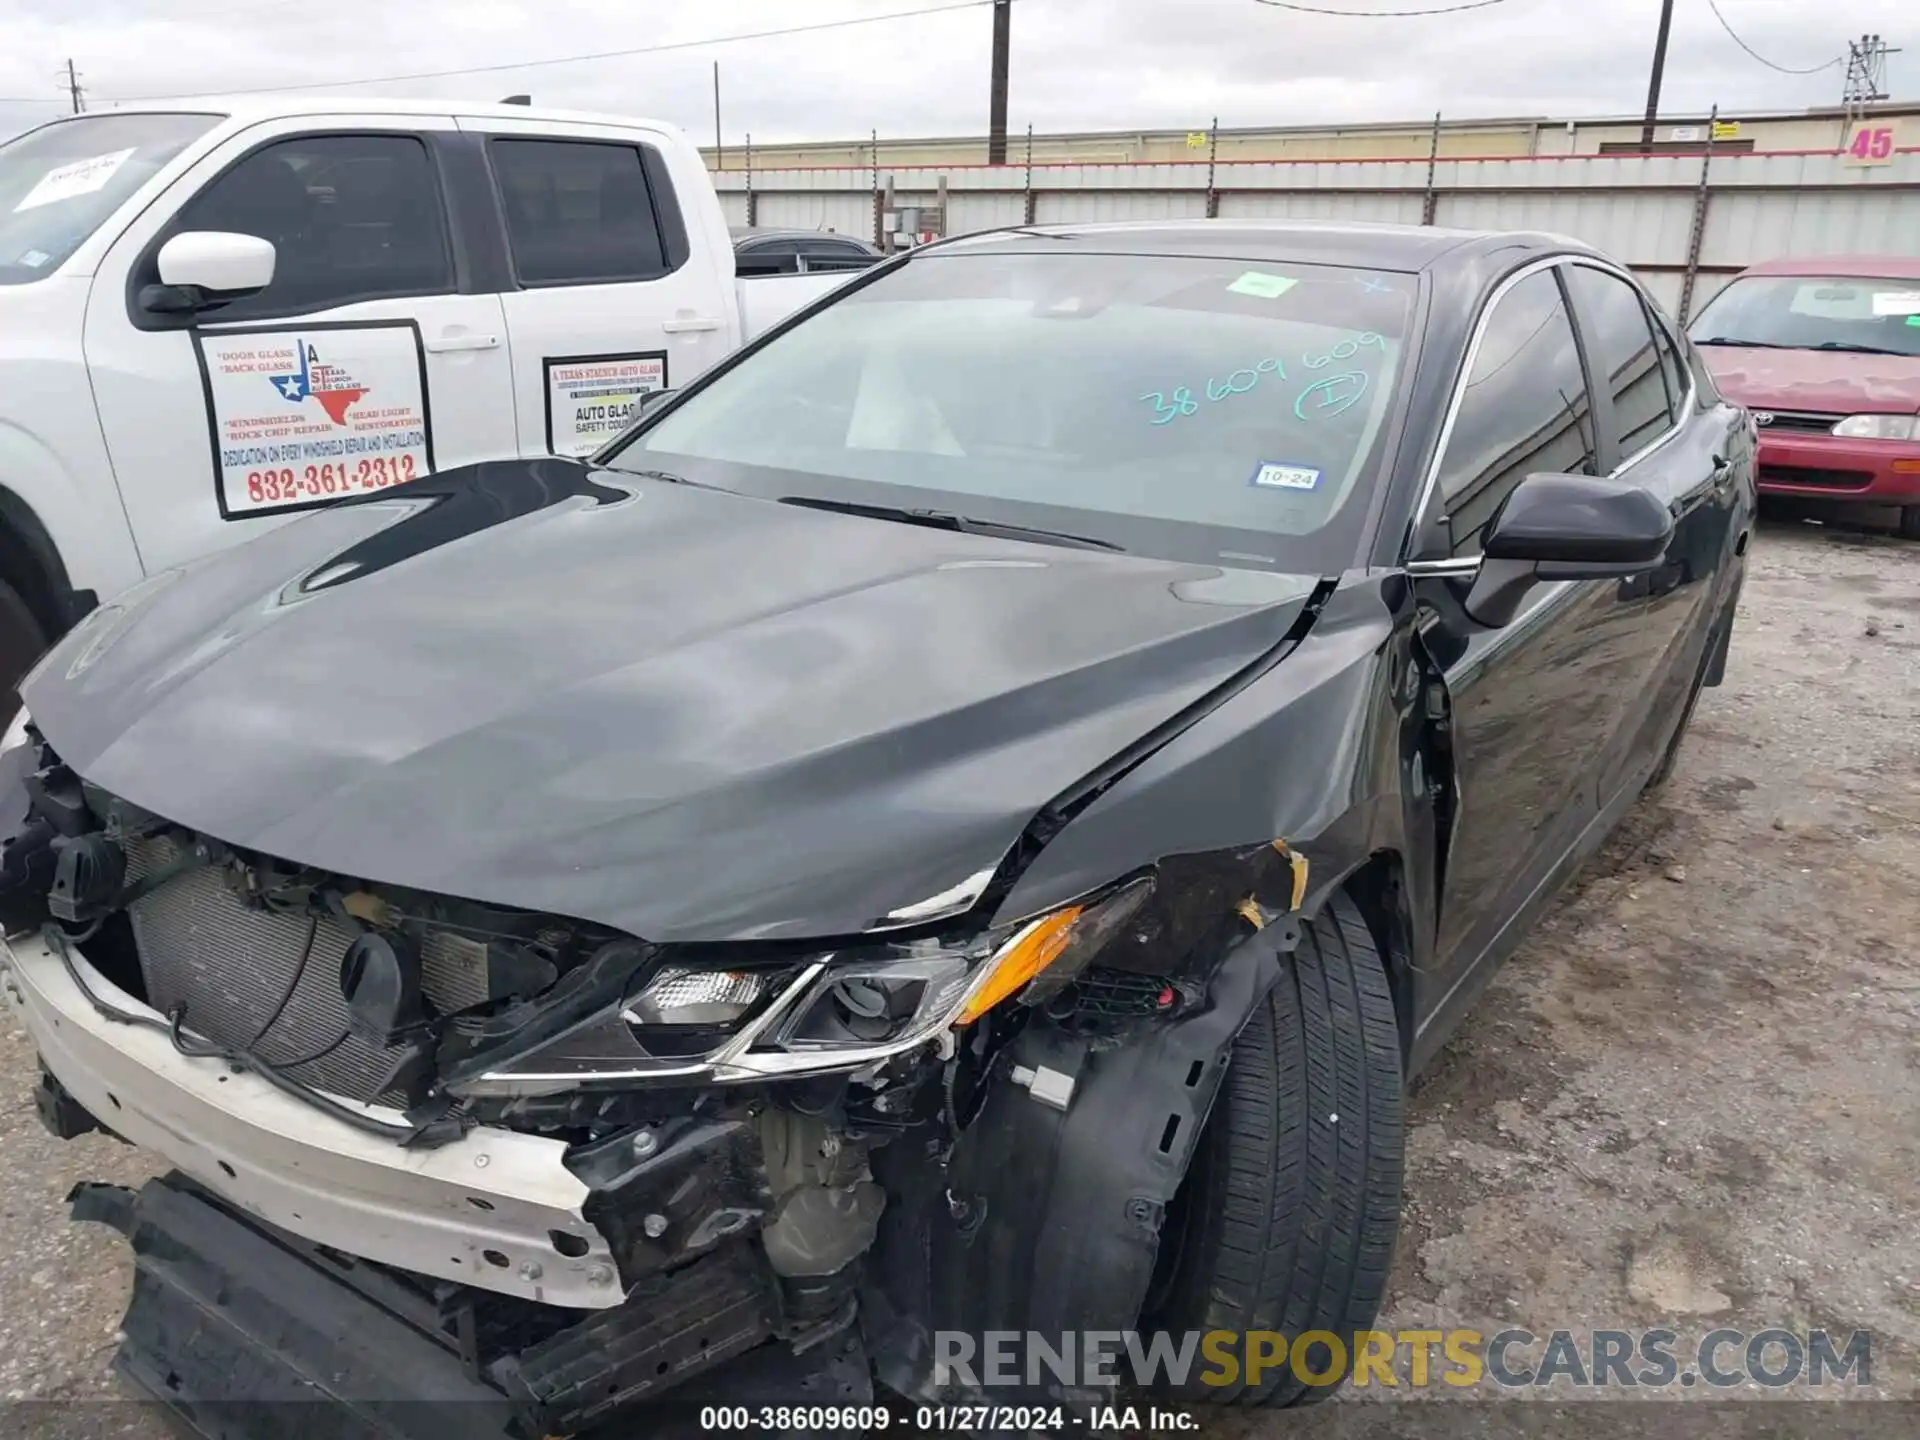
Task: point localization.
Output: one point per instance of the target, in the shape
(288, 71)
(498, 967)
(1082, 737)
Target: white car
(216, 314)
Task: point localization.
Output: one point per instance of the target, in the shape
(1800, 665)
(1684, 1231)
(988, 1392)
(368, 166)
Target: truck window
(578, 212)
(351, 217)
(60, 182)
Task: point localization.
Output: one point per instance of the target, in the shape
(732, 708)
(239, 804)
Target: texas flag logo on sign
(333, 387)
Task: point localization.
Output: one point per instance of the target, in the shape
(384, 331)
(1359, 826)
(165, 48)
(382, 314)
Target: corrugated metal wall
(815, 210)
(1641, 209)
(970, 210)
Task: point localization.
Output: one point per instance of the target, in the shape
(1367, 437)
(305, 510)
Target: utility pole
(73, 88)
(997, 98)
(719, 155)
(1653, 80)
(1866, 80)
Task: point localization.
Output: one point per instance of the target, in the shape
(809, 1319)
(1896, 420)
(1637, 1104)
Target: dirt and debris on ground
(1692, 1099)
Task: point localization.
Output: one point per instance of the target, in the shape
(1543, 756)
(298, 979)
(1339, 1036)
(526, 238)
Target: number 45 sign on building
(1871, 142)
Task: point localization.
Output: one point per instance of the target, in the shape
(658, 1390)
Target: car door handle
(688, 327)
(461, 342)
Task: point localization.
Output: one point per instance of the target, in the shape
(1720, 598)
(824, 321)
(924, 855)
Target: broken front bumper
(247, 1333)
(489, 1210)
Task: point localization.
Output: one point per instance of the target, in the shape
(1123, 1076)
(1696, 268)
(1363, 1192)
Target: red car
(1826, 353)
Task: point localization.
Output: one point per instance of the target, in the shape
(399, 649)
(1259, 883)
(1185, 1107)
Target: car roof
(1884, 267)
(778, 232)
(249, 109)
(1357, 244)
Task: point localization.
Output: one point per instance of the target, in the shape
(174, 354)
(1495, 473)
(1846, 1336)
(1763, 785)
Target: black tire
(22, 641)
(1287, 1219)
(1910, 522)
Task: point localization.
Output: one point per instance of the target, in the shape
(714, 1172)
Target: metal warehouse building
(1757, 130)
(1712, 199)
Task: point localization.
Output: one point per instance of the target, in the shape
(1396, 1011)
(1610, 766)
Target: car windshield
(1812, 312)
(58, 183)
(1223, 411)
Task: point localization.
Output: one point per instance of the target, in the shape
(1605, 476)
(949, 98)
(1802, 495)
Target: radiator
(228, 964)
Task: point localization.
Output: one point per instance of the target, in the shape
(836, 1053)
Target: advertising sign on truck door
(305, 414)
(590, 398)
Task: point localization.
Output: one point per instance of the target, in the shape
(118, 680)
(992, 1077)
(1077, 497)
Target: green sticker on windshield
(1914, 320)
(1264, 286)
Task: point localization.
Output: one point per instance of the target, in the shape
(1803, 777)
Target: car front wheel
(22, 642)
(1287, 1218)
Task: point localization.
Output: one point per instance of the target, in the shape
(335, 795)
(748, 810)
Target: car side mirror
(201, 268)
(1565, 527)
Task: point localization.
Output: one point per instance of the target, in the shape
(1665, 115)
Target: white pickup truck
(215, 314)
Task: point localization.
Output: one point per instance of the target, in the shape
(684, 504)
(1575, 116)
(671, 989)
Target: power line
(601, 54)
(1783, 69)
(1380, 14)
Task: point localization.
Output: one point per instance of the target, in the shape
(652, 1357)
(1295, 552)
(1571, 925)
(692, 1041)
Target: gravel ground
(1691, 1100)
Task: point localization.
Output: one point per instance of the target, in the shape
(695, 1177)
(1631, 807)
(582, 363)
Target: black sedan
(764, 250)
(964, 819)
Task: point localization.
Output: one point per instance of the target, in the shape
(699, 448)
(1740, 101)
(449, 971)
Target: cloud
(1077, 64)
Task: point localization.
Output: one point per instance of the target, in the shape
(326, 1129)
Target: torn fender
(1047, 1219)
(1315, 751)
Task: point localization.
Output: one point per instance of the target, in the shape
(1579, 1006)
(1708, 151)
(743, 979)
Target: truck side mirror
(199, 268)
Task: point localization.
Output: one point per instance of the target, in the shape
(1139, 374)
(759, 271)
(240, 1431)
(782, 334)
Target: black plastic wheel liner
(1048, 1221)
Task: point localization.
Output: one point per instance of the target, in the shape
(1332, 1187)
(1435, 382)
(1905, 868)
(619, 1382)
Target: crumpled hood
(1827, 382)
(683, 713)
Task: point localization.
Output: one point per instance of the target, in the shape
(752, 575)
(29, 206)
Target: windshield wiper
(1857, 349)
(947, 520)
(1851, 347)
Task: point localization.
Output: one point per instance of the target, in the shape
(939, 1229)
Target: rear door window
(578, 212)
(1673, 367)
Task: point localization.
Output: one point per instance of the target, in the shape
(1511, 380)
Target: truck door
(376, 354)
(622, 273)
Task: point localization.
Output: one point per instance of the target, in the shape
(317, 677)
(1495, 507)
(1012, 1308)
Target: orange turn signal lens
(1906, 467)
(1019, 960)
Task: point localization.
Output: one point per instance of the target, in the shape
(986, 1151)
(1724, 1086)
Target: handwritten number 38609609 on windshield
(1238, 383)
(1168, 408)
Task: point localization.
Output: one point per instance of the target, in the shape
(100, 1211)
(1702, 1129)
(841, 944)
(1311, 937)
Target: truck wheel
(1910, 523)
(22, 642)
(1287, 1218)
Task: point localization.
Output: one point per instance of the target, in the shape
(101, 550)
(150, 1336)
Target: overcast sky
(1077, 64)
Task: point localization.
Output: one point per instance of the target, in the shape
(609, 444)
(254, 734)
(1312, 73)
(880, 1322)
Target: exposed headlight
(16, 734)
(838, 1011)
(678, 996)
(1876, 427)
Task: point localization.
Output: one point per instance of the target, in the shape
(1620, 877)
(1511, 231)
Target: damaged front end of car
(571, 1171)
